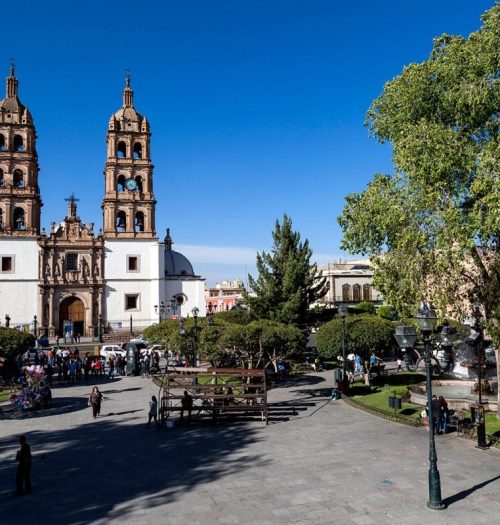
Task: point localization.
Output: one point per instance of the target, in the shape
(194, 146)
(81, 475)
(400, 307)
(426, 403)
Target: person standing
(444, 416)
(23, 474)
(111, 367)
(186, 404)
(95, 401)
(436, 412)
(153, 411)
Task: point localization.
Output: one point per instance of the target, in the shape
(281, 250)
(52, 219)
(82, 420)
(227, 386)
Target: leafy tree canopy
(433, 227)
(287, 283)
(364, 334)
(14, 342)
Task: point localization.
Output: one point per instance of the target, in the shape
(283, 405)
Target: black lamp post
(476, 340)
(448, 337)
(160, 309)
(35, 326)
(195, 311)
(342, 310)
(7, 321)
(173, 304)
(406, 336)
(99, 328)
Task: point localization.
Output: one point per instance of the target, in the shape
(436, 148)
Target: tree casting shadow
(105, 470)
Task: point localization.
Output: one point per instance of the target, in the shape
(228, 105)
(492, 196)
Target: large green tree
(433, 226)
(287, 283)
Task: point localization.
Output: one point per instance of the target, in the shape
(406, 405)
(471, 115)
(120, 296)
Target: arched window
(137, 150)
(367, 292)
(121, 221)
(138, 180)
(18, 143)
(19, 223)
(18, 179)
(1, 178)
(3, 146)
(346, 292)
(121, 150)
(356, 293)
(139, 222)
(120, 183)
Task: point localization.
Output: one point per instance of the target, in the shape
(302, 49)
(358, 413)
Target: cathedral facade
(72, 278)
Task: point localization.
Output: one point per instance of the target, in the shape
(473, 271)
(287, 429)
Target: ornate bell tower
(129, 203)
(20, 200)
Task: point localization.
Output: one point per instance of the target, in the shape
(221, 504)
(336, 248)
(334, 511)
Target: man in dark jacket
(23, 475)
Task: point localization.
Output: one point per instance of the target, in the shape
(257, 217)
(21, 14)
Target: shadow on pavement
(105, 470)
(465, 493)
(60, 405)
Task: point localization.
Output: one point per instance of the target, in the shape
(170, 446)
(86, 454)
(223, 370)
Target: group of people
(67, 365)
(440, 415)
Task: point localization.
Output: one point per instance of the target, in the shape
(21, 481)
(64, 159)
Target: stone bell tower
(129, 203)
(20, 200)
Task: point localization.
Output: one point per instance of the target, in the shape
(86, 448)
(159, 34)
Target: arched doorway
(72, 314)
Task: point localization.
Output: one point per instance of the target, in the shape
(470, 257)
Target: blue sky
(256, 108)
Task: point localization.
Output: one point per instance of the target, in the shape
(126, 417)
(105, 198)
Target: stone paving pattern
(318, 462)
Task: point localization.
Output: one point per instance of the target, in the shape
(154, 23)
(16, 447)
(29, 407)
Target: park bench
(232, 391)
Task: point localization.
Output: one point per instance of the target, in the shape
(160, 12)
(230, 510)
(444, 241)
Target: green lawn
(4, 395)
(377, 396)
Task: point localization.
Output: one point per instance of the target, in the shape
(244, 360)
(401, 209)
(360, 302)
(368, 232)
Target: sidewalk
(318, 462)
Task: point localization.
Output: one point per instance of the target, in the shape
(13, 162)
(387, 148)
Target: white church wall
(122, 283)
(19, 286)
(192, 290)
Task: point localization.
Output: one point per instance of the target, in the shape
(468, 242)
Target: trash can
(337, 375)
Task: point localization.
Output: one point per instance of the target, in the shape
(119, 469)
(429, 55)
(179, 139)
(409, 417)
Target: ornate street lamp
(195, 311)
(448, 337)
(99, 328)
(173, 304)
(406, 337)
(342, 310)
(160, 309)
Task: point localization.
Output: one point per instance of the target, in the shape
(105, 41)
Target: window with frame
(72, 262)
(133, 263)
(132, 302)
(7, 264)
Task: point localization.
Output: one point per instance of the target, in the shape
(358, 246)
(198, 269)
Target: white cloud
(223, 255)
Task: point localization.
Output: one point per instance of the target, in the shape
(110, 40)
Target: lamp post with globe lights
(342, 310)
(406, 337)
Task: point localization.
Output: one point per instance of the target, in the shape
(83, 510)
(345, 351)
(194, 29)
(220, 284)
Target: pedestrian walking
(400, 365)
(23, 474)
(95, 401)
(153, 411)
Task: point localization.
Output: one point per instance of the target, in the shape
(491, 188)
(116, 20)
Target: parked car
(108, 351)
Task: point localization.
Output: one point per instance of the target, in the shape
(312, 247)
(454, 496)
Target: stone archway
(72, 309)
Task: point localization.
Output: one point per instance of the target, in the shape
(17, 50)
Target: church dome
(11, 102)
(127, 115)
(176, 264)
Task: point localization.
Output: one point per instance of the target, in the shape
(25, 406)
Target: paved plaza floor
(317, 462)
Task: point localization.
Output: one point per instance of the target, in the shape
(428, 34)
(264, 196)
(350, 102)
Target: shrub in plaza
(364, 334)
(14, 342)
